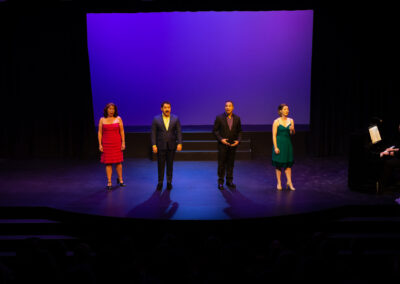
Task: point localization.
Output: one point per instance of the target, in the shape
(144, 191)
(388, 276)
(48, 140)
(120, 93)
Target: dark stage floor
(79, 186)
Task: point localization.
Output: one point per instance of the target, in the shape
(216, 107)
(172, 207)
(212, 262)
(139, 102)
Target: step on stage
(199, 143)
(79, 186)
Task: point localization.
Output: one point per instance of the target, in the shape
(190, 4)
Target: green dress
(285, 157)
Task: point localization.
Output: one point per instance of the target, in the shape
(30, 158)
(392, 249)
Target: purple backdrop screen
(197, 60)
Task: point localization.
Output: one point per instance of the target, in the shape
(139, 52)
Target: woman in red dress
(112, 142)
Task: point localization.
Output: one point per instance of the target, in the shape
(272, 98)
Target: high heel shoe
(290, 186)
(109, 186)
(122, 184)
(279, 187)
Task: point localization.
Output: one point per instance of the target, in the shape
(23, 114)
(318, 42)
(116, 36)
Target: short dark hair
(229, 101)
(105, 113)
(280, 108)
(165, 103)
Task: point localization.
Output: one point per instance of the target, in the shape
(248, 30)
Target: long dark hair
(105, 113)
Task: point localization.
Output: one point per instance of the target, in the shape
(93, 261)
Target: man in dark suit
(165, 131)
(228, 131)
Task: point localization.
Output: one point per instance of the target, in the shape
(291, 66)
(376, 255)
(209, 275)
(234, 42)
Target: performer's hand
(384, 153)
(101, 148)
(235, 144)
(225, 141)
(277, 151)
(123, 146)
(179, 147)
(391, 151)
(155, 149)
(291, 128)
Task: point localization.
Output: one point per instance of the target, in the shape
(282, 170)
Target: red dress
(111, 141)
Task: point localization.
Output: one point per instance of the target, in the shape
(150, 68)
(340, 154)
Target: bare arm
(274, 132)
(122, 132)
(100, 134)
(292, 131)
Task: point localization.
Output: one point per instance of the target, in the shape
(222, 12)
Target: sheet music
(374, 133)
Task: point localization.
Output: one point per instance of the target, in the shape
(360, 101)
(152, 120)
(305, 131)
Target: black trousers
(165, 157)
(226, 161)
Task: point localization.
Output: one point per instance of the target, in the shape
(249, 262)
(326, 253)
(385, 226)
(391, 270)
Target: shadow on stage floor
(79, 186)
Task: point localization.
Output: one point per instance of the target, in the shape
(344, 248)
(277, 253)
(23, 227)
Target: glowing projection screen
(198, 60)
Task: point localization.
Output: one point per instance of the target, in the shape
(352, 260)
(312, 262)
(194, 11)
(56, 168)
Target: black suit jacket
(163, 139)
(221, 128)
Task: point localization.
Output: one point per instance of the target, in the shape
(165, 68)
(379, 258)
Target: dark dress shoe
(169, 185)
(159, 186)
(108, 187)
(231, 185)
(221, 187)
(120, 183)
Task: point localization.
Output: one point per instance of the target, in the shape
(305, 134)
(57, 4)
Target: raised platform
(199, 143)
(202, 146)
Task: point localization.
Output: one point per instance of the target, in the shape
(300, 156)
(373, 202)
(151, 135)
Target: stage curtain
(45, 81)
(353, 75)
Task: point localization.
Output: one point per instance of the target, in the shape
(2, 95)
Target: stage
(79, 186)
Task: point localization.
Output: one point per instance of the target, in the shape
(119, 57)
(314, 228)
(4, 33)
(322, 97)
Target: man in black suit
(228, 131)
(165, 131)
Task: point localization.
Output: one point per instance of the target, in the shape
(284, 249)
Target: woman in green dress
(282, 151)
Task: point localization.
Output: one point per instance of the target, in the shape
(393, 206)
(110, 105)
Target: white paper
(375, 135)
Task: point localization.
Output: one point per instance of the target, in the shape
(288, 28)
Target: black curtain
(45, 81)
(353, 75)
